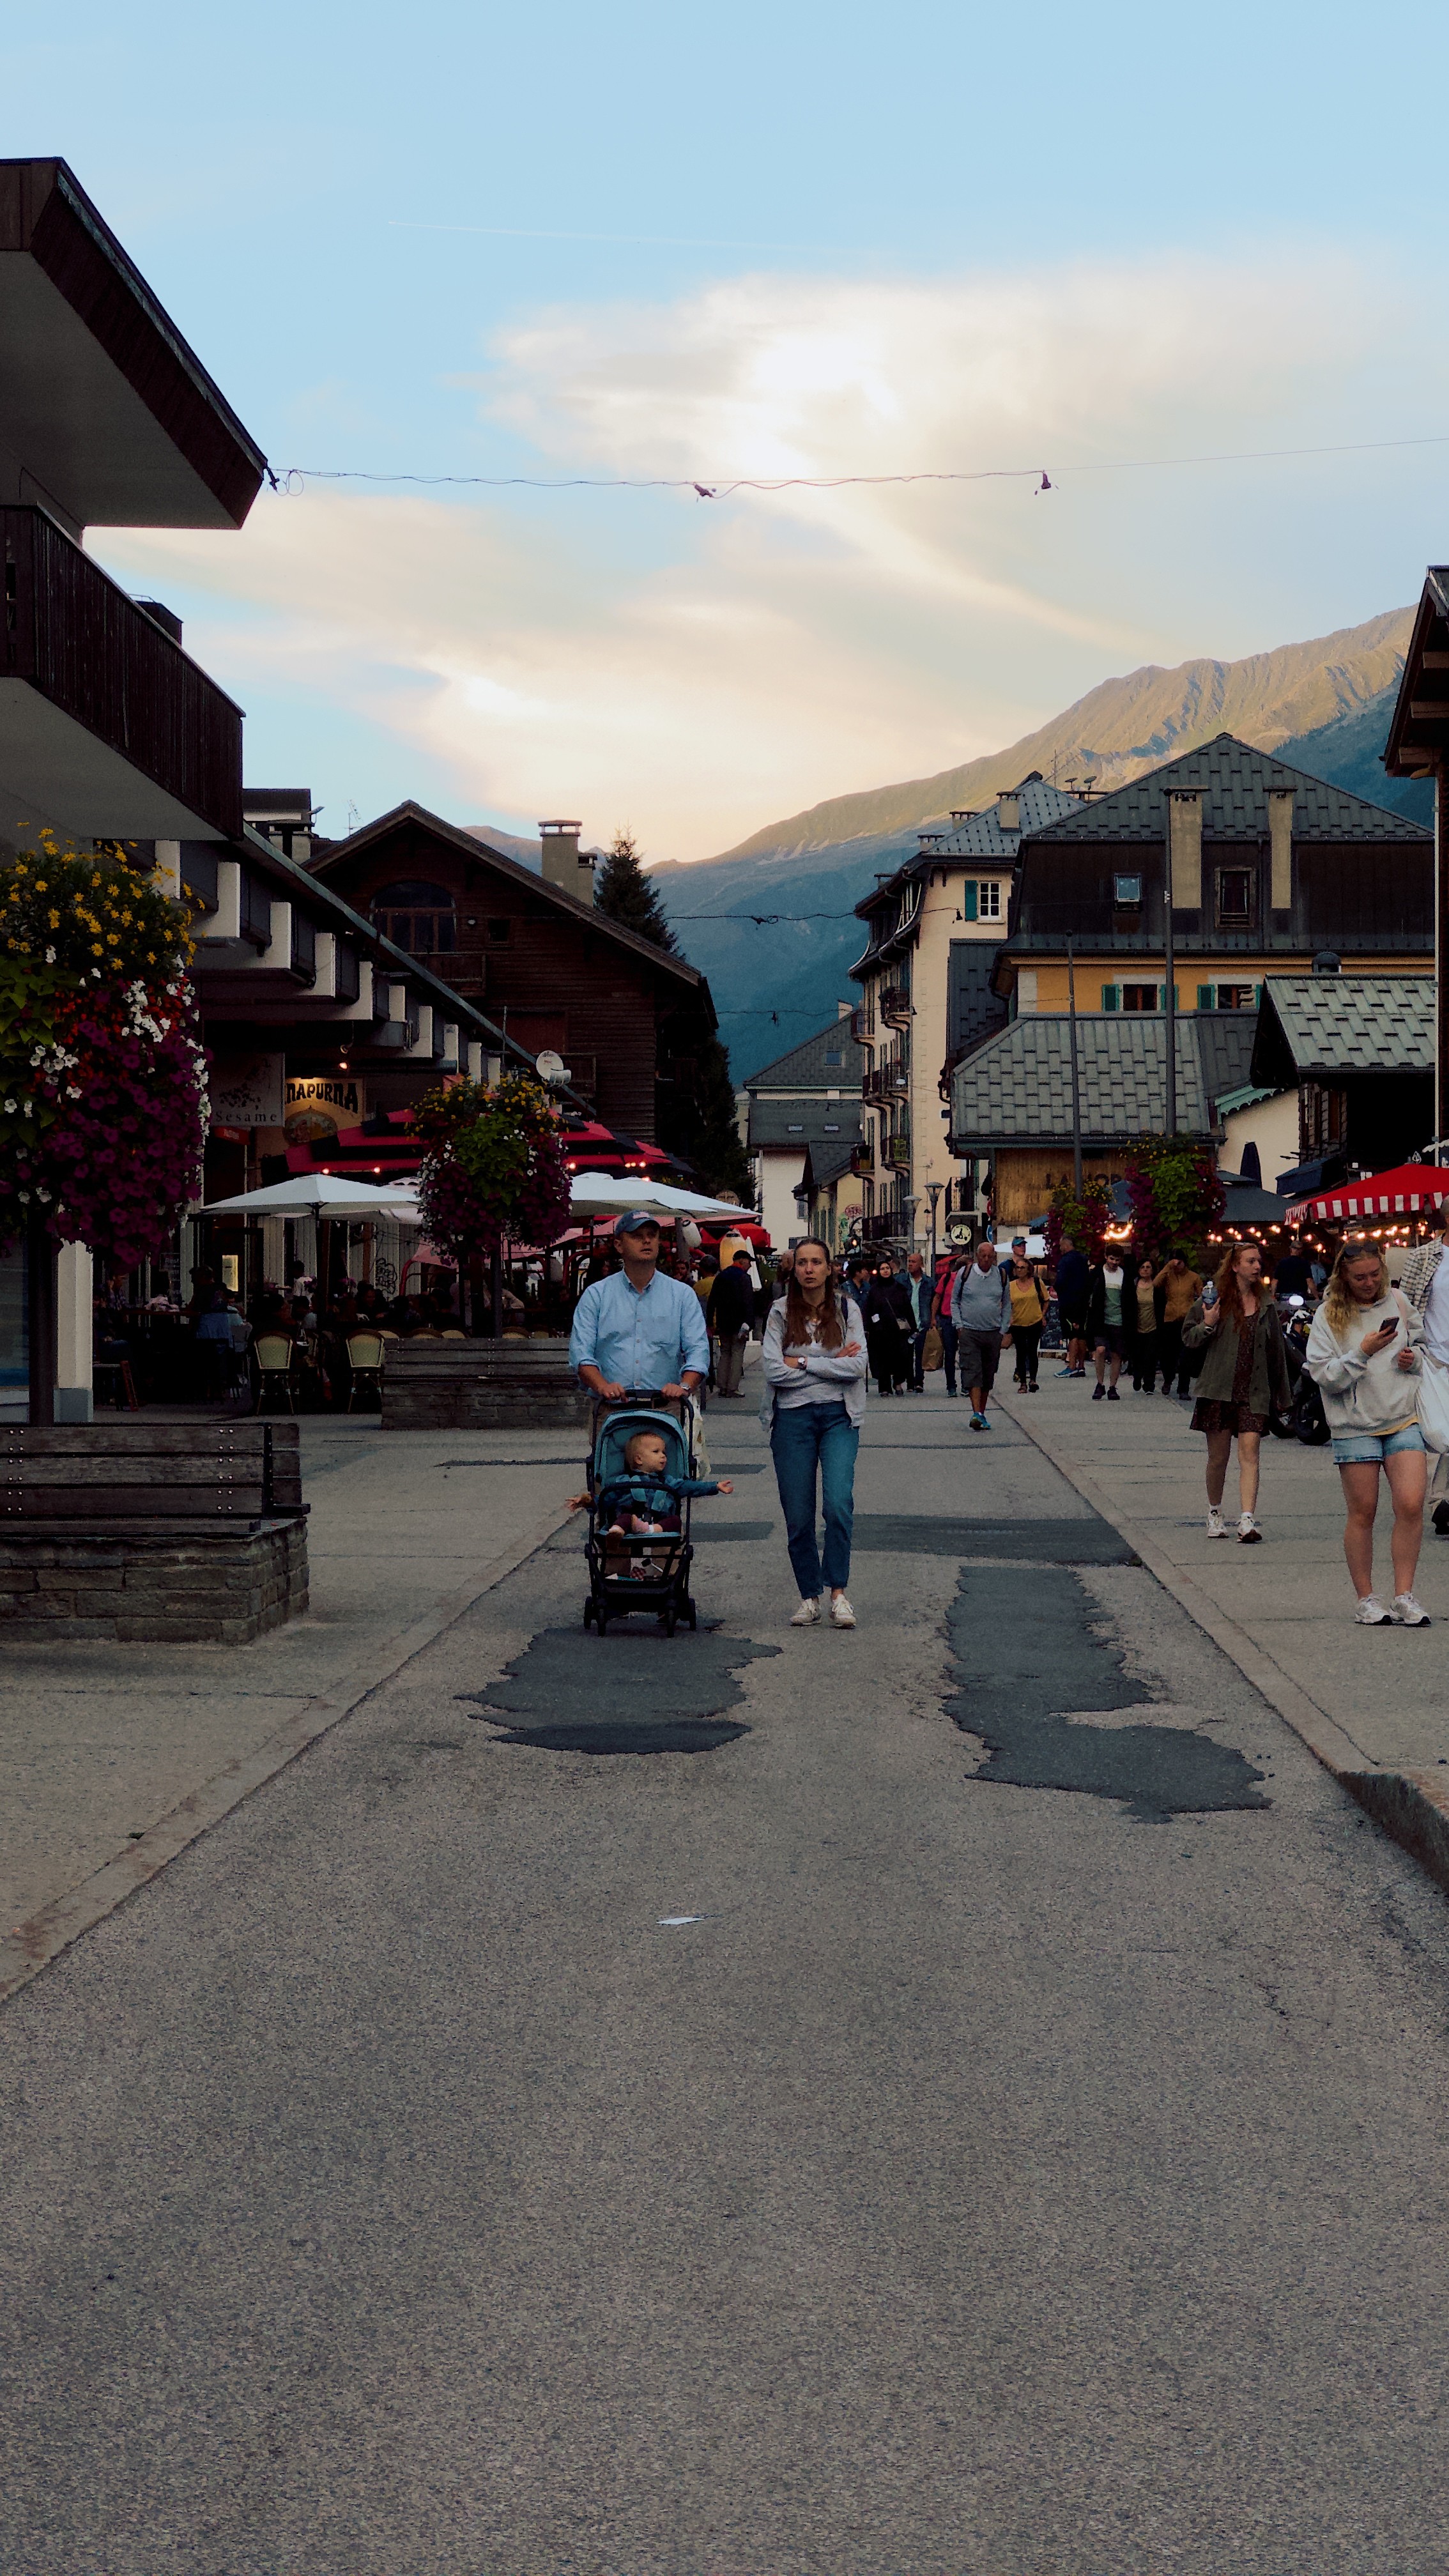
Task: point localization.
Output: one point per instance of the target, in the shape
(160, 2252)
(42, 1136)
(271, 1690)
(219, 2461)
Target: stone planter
(481, 1386)
(211, 1585)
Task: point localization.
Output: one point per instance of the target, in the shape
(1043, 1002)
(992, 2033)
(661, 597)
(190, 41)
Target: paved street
(980, 2112)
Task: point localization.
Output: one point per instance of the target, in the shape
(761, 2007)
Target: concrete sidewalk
(1371, 1702)
(113, 1758)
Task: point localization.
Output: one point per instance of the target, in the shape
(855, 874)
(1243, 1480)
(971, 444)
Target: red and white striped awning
(1410, 1190)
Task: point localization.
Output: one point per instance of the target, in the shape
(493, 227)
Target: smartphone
(1210, 1294)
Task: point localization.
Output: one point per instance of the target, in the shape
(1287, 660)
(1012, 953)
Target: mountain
(1324, 704)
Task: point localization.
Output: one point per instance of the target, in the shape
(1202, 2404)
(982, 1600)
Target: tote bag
(1434, 1403)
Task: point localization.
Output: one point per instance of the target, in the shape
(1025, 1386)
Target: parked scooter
(1305, 1418)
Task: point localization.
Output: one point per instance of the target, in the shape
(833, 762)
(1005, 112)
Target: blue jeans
(807, 1436)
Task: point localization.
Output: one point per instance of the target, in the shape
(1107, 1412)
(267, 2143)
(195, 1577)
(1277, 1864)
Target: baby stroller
(628, 1571)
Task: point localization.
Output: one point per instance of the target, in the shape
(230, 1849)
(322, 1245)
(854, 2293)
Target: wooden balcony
(107, 729)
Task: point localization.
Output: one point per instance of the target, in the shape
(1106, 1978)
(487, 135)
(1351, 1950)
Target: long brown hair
(1339, 1302)
(1225, 1280)
(824, 1328)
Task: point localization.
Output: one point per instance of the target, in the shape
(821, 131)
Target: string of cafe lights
(293, 479)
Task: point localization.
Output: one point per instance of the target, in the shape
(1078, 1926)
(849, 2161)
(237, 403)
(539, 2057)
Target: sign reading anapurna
(320, 1106)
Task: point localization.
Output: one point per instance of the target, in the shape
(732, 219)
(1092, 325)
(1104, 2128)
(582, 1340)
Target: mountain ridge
(1269, 698)
(1323, 706)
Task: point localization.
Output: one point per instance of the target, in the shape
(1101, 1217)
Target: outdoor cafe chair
(364, 1352)
(274, 1367)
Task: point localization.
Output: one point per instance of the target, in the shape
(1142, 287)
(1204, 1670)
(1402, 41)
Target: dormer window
(1127, 893)
(1235, 898)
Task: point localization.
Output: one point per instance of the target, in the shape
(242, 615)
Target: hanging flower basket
(103, 1104)
(493, 1169)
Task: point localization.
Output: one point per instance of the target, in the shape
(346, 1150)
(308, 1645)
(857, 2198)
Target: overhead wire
(294, 478)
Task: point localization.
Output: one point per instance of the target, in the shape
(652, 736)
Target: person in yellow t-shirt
(1028, 1314)
(1178, 1288)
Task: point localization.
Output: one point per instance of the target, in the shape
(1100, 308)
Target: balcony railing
(77, 639)
(894, 1003)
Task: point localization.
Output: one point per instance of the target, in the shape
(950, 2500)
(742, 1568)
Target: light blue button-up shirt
(643, 1337)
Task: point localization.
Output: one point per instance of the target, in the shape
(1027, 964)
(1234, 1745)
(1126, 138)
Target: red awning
(1409, 1190)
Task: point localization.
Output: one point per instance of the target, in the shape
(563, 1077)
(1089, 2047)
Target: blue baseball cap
(636, 1217)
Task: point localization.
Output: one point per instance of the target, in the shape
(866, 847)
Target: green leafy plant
(493, 1169)
(1174, 1193)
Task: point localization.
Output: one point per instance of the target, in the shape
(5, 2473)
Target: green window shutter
(1257, 997)
(1207, 995)
(1111, 997)
(968, 899)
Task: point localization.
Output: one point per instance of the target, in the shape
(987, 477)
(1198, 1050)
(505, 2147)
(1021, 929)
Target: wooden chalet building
(1418, 747)
(1269, 868)
(530, 950)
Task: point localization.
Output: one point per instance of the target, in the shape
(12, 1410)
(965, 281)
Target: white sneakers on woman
(1405, 1612)
(808, 1614)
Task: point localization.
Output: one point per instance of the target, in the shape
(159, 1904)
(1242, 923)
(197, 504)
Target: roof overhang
(106, 416)
(1419, 733)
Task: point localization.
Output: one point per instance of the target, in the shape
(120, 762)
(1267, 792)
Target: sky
(811, 241)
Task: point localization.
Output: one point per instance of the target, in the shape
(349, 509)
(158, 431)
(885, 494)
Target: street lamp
(933, 1191)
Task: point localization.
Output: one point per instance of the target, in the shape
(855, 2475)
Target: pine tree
(623, 891)
(696, 1107)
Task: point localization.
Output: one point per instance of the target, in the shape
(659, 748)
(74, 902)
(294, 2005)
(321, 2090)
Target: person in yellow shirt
(1178, 1288)
(1028, 1314)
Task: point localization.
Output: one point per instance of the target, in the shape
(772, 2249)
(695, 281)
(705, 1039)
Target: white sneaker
(1371, 1612)
(1217, 1527)
(1407, 1612)
(1248, 1531)
(841, 1613)
(808, 1614)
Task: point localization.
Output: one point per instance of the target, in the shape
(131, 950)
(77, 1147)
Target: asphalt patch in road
(1026, 1656)
(568, 1693)
(1090, 1541)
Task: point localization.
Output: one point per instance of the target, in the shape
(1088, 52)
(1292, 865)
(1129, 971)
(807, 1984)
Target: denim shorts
(1371, 1448)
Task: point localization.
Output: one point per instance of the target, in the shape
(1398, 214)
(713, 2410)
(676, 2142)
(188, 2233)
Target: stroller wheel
(692, 1615)
(670, 1620)
(589, 1610)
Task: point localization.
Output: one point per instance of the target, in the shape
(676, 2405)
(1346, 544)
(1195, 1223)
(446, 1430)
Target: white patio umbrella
(321, 1194)
(594, 1194)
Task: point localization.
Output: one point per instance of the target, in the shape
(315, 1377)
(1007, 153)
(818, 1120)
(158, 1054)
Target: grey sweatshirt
(981, 1300)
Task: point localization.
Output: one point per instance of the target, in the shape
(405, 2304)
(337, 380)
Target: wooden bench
(194, 1532)
(481, 1386)
(244, 1470)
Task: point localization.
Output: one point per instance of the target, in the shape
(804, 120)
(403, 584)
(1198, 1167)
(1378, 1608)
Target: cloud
(694, 668)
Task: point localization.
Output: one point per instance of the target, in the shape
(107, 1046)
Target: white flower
(10, 1108)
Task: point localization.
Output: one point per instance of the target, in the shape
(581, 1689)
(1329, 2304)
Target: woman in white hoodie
(1363, 1355)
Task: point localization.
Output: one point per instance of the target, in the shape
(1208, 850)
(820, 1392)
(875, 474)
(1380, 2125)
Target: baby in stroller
(644, 1502)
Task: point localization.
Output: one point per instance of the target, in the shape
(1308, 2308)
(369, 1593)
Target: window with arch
(420, 917)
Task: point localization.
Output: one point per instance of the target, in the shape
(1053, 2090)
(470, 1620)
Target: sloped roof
(1235, 780)
(826, 1162)
(982, 836)
(1329, 1025)
(806, 1068)
(1017, 1088)
(327, 857)
(805, 1122)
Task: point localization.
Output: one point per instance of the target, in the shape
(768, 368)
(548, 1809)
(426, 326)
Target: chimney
(1184, 826)
(563, 863)
(1280, 827)
(1008, 812)
(845, 1010)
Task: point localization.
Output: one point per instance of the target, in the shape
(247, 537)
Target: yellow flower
(40, 885)
(111, 940)
(96, 949)
(55, 921)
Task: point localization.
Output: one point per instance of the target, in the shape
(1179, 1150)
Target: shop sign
(246, 1091)
(319, 1107)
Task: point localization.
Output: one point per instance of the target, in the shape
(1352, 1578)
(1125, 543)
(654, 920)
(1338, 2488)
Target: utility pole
(1076, 1078)
(1169, 989)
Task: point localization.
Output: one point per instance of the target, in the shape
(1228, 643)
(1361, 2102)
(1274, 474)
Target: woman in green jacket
(1244, 1378)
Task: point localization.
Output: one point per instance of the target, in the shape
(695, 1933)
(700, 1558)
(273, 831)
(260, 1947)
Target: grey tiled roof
(1335, 1024)
(805, 1122)
(805, 1067)
(1235, 780)
(1017, 1089)
(980, 836)
(828, 1162)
